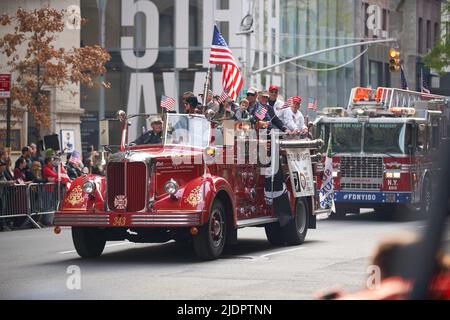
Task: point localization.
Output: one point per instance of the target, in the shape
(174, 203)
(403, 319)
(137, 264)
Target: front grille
(361, 167)
(361, 186)
(127, 179)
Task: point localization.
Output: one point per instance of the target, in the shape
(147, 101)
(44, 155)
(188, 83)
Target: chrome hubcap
(217, 224)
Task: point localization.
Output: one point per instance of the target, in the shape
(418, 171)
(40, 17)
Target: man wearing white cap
(252, 97)
(153, 136)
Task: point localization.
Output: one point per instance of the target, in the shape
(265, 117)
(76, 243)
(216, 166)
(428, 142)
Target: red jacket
(52, 176)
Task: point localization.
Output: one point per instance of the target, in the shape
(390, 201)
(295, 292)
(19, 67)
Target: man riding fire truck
(385, 149)
(199, 183)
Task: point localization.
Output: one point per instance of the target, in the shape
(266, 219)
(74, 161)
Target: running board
(255, 222)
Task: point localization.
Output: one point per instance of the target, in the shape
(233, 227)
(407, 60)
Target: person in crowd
(35, 153)
(186, 105)
(5, 182)
(26, 154)
(394, 259)
(270, 118)
(252, 97)
(274, 100)
(92, 153)
(49, 172)
(193, 105)
(22, 173)
(293, 119)
(242, 113)
(4, 178)
(36, 172)
(74, 166)
(153, 136)
(226, 110)
(211, 102)
(9, 171)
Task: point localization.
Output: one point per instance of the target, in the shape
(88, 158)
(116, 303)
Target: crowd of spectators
(34, 166)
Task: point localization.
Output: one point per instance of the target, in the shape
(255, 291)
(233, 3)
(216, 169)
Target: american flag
(220, 54)
(167, 103)
(75, 157)
(224, 96)
(423, 84)
(312, 104)
(261, 113)
(403, 80)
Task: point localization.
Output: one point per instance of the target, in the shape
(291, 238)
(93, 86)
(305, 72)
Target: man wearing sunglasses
(277, 104)
(252, 97)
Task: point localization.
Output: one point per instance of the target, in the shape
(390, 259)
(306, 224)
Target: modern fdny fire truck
(385, 148)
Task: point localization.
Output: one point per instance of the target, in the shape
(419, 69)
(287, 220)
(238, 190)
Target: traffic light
(394, 60)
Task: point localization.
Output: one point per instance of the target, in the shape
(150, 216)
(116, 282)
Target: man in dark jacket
(268, 120)
(153, 136)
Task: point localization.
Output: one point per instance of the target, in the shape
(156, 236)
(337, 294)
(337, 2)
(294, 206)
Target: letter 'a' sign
(5, 86)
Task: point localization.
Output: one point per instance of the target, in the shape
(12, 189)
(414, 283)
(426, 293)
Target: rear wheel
(210, 241)
(274, 234)
(89, 242)
(295, 232)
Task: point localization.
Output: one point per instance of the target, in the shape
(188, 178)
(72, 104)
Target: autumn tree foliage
(32, 54)
(439, 57)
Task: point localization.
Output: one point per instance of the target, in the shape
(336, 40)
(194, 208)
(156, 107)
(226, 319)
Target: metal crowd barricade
(30, 200)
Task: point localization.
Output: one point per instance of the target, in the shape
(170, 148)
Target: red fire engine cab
(385, 148)
(190, 187)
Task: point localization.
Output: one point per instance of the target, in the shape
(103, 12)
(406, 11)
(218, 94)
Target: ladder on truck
(389, 98)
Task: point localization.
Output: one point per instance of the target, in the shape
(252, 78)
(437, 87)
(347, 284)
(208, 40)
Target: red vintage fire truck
(385, 147)
(175, 189)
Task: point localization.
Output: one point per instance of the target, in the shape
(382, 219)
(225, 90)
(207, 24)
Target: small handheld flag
(167, 103)
(224, 96)
(261, 113)
(312, 104)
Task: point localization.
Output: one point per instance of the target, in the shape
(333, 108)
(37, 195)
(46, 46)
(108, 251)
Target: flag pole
(206, 87)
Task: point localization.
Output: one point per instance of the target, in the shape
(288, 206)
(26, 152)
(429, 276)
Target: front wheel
(210, 240)
(89, 242)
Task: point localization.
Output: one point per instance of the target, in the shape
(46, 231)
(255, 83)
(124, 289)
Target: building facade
(162, 47)
(64, 108)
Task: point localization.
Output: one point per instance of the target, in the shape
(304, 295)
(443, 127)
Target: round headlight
(171, 187)
(88, 187)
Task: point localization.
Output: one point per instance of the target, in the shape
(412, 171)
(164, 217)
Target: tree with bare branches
(33, 56)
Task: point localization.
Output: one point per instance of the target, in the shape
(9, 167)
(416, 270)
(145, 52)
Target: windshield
(169, 129)
(385, 138)
(187, 130)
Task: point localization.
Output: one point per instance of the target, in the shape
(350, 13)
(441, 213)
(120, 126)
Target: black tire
(211, 238)
(426, 199)
(274, 234)
(295, 232)
(89, 242)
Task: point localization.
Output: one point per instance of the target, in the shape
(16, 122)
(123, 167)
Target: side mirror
(210, 114)
(422, 127)
(121, 116)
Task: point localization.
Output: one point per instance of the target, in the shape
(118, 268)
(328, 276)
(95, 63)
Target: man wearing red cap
(274, 102)
(293, 119)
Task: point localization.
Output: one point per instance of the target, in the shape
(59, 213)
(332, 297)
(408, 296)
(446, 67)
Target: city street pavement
(34, 265)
